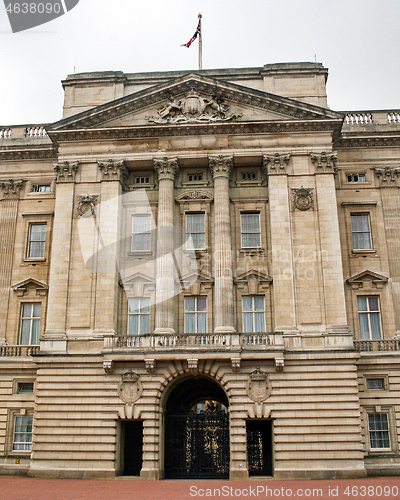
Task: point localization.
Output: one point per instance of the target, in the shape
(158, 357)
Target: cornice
(153, 131)
(367, 140)
(28, 152)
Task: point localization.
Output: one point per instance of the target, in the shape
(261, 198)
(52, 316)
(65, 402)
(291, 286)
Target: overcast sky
(358, 40)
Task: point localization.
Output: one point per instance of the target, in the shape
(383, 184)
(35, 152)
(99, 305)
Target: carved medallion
(130, 388)
(258, 387)
(193, 108)
(86, 205)
(303, 199)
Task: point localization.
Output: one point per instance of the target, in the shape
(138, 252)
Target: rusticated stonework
(66, 171)
(275, 164)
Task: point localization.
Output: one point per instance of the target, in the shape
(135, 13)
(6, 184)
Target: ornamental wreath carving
(86, 205)
(193, 108)
(303, 199)
(258, 387)
(130, 388)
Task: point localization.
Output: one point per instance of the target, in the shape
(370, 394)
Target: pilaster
(221, 168)
(281, 242)
(166, 169)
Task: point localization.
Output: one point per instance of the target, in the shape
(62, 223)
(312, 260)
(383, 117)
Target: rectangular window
(195, 177)
(30, 324)
(196, 315)
(379, 436)
(361, 232)
(139, 316)
(249, 176)
(369, 318)
(24, 387)
(37, 241)
(195, 232)
(375, 384)
(41, 188)
(253, 314)
(355, 177)
(142, 180)
(22, 433)
(141, 233)
(251, 232)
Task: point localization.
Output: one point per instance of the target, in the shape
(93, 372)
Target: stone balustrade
(203, 341)
(24, 133)
(35, 131)
(358, 118)
(18, 350)
(377, 345)
(5, 133)
(369, 118)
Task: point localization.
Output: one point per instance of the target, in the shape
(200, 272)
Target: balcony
(18, 350)
(377, 345)
(193, 342)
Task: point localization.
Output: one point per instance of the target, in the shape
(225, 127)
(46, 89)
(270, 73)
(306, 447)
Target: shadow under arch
(196, 436)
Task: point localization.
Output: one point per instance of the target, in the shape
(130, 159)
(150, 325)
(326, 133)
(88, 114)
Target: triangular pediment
(358, 280)
(255, 275)
(193, 276)
(137, 278)
(193, 100)
(21, 288)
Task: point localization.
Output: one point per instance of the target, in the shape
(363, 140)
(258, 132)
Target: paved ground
(20, 488)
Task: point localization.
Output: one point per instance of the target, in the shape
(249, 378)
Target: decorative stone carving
(258, 387)
(276, 164)
(150, 365)
(130, 388)
(66, 171)
(387, 176)
(303, 199)
(194, 195)
(108, 365)
(193, 365)
(325, 163)
(193, 108)
(235, 362)
(114, 170)
(279, 364)
(166, 167)
(221, 165)
(11, 188)
(86, 205)
(21, 288)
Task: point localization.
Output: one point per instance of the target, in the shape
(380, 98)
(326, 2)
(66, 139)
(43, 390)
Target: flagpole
(200, 45)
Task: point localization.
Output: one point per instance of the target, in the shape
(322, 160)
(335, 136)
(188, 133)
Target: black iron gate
(259, 447)
(197, 446)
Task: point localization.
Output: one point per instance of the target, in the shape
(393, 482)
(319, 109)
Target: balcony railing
(368, 118)
(377, 345)
(205, 341)
(18, 350)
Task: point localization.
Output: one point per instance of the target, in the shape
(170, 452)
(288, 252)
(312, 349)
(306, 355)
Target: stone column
(281, 242)
(113, 176)
(221, 168)
(166, 169)
(54, 338)
(389, 182)
(8, 218)
(331, 254)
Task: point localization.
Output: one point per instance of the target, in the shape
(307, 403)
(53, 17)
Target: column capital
(114, 170)
(166, 167)
(11, 188)
(276, 164)
(324, 163)
(221, 165)
(66, 171)
(388, 176)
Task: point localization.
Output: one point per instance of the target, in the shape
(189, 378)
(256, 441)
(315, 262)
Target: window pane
(247, 303)
(202, 323)
(26, 310)
(25, 331)
(144, 324)
(190, 323)
(190, 303)
(360, 223)
(35, 331)
(37, 308)
(134, 305)
(362, 303)
(248, 323)
(373, 304)
(259, 322)
(259, 303)
(364, 327)
(145, 306)
(201, 304)
(375, 326)
(133, 325)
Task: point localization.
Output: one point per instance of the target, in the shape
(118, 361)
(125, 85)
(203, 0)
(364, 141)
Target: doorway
(132, 431)
(259, 447)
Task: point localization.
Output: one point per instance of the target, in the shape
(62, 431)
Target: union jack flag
(197, 32)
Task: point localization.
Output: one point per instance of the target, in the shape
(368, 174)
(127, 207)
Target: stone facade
(183, 243)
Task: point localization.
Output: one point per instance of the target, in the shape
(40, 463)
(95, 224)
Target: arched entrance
(197, 431)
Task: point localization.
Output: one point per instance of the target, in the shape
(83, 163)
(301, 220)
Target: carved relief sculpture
(130, 388)
(258, 387)
(303, 199)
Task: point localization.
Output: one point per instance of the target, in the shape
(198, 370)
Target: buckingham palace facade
(200, 278)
